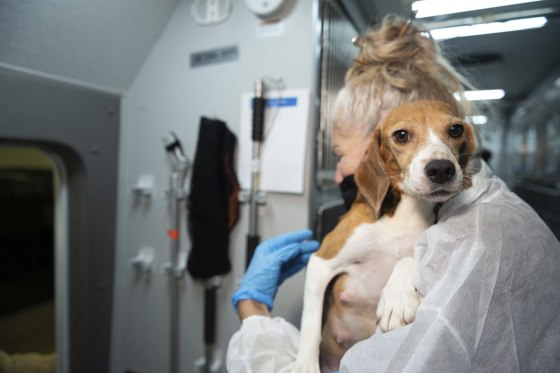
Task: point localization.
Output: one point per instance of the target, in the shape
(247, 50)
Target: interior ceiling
(103, 42)
(518, 62)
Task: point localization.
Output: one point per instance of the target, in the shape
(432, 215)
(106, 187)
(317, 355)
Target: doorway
(27, 260)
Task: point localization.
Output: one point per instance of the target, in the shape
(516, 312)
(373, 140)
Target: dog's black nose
(440, 171)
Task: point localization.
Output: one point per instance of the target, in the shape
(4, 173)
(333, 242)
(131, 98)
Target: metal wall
(79, 127)
(170, 95)
(337, 52)
(530, 158)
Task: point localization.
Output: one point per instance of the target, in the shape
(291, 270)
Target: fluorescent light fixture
(478, 119)
(488, 28)
(432, 8)
(488, 94)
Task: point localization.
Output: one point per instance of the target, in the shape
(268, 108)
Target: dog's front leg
(399, 300)
(319, 273)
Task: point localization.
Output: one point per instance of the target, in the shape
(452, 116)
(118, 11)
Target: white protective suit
(489, 272)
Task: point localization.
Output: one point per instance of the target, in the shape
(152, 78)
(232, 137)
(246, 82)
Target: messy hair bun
(398, 62)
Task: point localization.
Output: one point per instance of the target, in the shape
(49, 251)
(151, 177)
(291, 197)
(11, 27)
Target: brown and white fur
(416, 160)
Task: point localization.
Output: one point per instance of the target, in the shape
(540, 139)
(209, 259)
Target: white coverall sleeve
(263, 344)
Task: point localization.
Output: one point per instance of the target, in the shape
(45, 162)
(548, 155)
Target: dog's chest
(371, 252)
(392, 236)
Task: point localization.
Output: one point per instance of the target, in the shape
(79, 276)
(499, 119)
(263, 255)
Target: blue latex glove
(274, 261)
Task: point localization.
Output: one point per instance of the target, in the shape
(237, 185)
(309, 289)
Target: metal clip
(260, 197)
(143, 261)
(175, 271)
(143, 187)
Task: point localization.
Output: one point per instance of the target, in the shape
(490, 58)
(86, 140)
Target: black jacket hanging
(213, 207)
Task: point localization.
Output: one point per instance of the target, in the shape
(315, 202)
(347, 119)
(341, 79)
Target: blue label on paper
(279, 102)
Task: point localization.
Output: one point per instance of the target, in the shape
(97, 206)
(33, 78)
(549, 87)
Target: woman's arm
(274, 261)
(249, 307)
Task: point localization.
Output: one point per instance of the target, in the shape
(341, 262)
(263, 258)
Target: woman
(397, 63)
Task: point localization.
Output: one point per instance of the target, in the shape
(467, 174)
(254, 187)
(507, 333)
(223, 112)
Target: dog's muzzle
(442, 175)
(440, 171)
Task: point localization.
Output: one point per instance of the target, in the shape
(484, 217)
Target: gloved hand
(274, 261)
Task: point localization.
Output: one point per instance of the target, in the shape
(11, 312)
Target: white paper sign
(282, 163)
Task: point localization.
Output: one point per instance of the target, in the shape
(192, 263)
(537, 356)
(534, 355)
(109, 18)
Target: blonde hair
(397, 63)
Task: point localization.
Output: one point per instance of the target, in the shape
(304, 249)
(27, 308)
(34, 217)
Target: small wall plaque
(214, 56)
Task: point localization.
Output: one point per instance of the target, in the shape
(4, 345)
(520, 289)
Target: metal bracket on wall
(143, 261)
(260, 197)
(143, 187)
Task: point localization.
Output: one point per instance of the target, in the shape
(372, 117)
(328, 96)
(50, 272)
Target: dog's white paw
(399, 300)
(397, 307)
(306, 367)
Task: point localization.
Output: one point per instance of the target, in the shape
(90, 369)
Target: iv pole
(259, 104)
(175, 269)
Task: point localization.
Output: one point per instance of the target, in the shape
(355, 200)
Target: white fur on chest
(370, 254)
(393, 235)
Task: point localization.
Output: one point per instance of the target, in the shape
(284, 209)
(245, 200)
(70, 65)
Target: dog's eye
(456, 130)
(401, 136)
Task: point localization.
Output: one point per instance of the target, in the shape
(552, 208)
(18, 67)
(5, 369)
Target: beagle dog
(361, 276)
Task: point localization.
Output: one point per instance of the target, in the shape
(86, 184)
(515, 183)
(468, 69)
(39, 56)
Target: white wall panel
(168, 95)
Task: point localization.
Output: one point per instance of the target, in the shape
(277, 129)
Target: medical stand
(175, 269)
(212, 360)
(256, 197)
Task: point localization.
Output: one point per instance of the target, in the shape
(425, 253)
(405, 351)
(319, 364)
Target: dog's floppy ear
(371, 177)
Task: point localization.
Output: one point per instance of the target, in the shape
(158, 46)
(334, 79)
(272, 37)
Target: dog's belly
(367, 260)
(351, 317)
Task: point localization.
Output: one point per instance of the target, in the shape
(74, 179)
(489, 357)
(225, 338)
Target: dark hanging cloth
(213, 206)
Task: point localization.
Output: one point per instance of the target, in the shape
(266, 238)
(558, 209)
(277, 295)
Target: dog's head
(421, 149)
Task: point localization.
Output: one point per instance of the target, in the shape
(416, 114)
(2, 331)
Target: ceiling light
(479, 119)
(432, 8)
(488, 94)
(488, 28)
